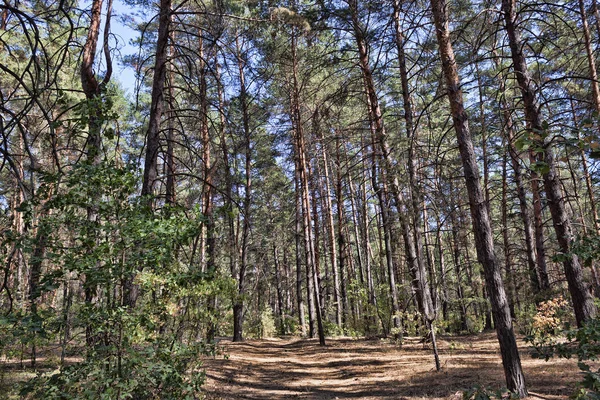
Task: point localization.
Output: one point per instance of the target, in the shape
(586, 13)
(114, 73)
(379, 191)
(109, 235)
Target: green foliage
(267, 323)
(552, 335)
(583, 343)
(587, 248)
(412, 323)
(160, 371)
(290, 325)
(101, 234)
(261, 324)
(524, 319)
(358, 293)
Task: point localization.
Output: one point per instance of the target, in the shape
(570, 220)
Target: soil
(346, 368)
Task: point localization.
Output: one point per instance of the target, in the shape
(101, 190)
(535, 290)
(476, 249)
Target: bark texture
(484, 243)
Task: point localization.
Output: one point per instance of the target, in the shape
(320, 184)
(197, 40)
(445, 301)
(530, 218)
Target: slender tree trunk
(364, 215)
(316, 229)
(538, 224)
(537, 271)
(596, 12)
(341, 237)
(412, 228)
(479, 211)
(590, 192)
(510, 274)
(238, 306)
(302, 167)
(93, 93)
(280, 309)
(18, 227)
(34, 293)
(332, 236)
(443, 277)
(389, 262)
(231, 231)
(287, 288)
(169, 156)
(596, 97)
(298, 237)
(412, 242)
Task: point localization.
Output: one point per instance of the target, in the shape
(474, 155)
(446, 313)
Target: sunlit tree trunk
(331, 233)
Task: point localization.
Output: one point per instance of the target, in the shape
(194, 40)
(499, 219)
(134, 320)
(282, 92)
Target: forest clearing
(375, 369)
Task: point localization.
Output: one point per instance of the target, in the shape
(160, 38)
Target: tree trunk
(280, 309)
(479, 212)
(93, 93)
(537, 271)
(412, 227)
(302, 168)
(238, 307)
(590, 56)
(510, 274)
(157, 100)
(298, 237)
(582, 300)
(341, 237)
(169, 156)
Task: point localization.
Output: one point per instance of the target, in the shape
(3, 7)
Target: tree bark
(479, 212)
(583, 304)
(157, 100)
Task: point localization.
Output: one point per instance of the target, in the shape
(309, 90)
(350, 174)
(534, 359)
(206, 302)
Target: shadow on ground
(372, 369)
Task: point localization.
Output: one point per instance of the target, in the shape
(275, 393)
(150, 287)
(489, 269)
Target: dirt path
(373, 369)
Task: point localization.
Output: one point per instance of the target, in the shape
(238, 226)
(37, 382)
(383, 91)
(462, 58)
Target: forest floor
(346, 368)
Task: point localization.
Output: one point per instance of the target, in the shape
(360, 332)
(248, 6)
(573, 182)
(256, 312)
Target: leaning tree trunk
(596, 96)
(410, 226)
(484, 242)
(583, 304)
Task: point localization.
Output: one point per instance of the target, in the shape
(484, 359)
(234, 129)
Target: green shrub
(151, 372)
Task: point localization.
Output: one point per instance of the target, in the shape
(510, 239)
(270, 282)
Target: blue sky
(124, 36)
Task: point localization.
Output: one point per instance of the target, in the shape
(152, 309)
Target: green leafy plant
(127, 260)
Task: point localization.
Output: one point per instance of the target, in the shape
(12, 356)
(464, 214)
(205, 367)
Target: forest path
(276, 369)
